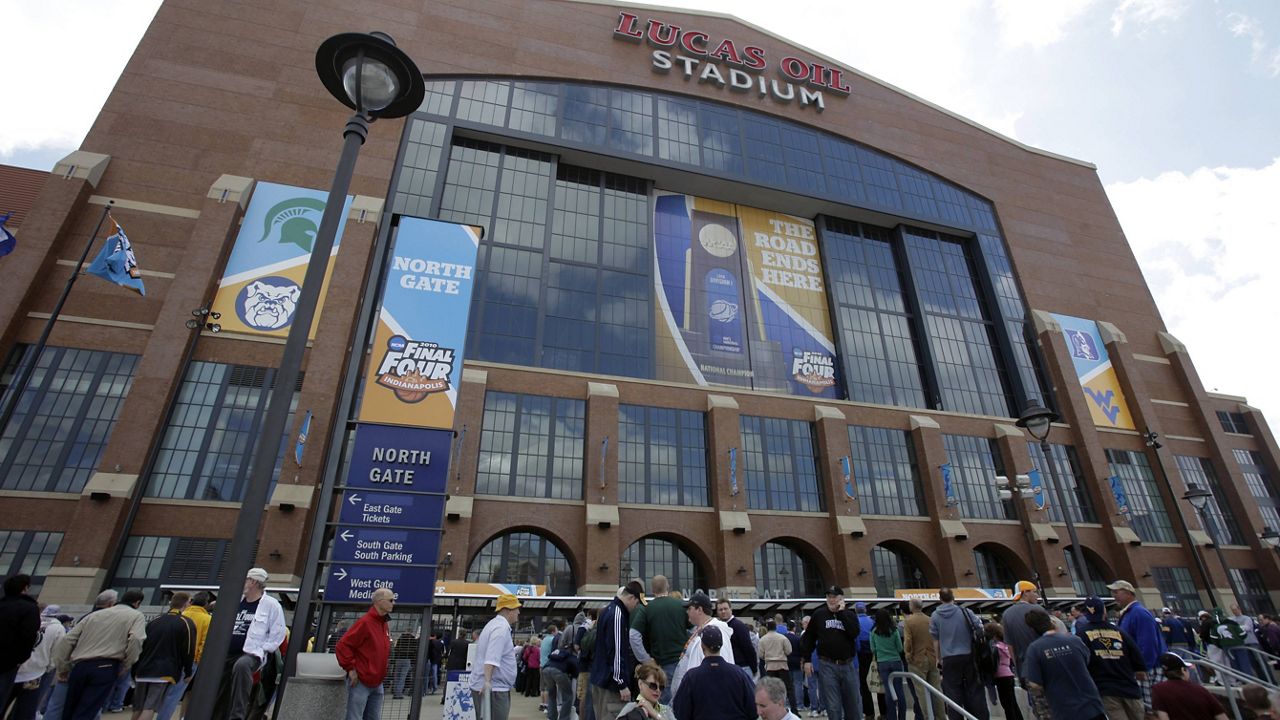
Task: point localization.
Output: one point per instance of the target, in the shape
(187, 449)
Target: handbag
(874, 683)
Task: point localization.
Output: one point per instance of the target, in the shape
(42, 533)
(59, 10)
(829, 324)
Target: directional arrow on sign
(341, 574)
(345, 535)
(355, 499)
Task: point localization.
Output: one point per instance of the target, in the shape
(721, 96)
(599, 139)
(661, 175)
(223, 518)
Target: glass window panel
(63, 418)
(534, 107)
(1199, 471)
(777, 465)
(662, 456)
(1177, 589)
(1258, 479)
(419, 168)
(654, 556)
(893, 571)
(1254, 595)
(484, 101)
(1066, 467)
(975, 463)
(531, 446)
(784, 572)
(1147, 512)
(678, 130)
(884, 472)
(993, 570)
(523, 558)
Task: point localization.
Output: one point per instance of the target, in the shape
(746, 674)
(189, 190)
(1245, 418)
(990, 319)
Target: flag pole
(24, 372)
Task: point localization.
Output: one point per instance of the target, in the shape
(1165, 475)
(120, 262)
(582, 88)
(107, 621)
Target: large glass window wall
(547, 277)
(778, 466)
(662, 456)
(1066, 468)
(1199, 471)
(975, 463)
(884, 472)
(531, 446)
(1147, 512)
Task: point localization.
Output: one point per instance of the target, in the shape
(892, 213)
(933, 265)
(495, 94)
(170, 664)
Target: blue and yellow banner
(741, 298)
(1107, 403)
(259, 289)
(415, 366)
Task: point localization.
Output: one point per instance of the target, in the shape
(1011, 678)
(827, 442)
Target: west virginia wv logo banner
(259, 289)
(1107, 403)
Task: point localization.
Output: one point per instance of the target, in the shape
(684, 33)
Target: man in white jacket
(37, 672)
(258, 632)
(701, 614)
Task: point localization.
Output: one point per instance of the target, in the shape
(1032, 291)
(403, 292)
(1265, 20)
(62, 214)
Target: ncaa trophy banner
(415, 366)
(1107, 403)
(259, 289)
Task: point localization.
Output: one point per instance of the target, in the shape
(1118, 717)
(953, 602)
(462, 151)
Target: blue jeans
(895, 702)
(364, 703)
(797, 687)
(815, 692)
(840, 692)
(174, 696)
(1241, 660)
(116, 699)
(400, 675)
(57, 700)
(433, 675)
(670, 671)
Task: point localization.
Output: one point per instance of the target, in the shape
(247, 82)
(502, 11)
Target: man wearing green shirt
(664, 628)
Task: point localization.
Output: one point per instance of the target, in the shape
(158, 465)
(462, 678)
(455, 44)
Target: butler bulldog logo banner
(741, 298)
(1107, 403)
(259, 289)
(415, 365)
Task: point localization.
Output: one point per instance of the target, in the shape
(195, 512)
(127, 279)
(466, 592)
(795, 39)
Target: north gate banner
(260, 287)
(415, 364)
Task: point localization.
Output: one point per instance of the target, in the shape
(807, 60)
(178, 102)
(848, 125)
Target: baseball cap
(835, 590)
(1165, 611)
(701, 600)
(1095, 608)
(507, 601)
(712, 637)
(635, 589)
(257, 574)
(860, 606)
(1123, 585)
(1170, 661)
(1024, 586)
(52, 611)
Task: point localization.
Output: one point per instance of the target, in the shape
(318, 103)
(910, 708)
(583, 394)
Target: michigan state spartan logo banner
(259, 289)
(415, 364)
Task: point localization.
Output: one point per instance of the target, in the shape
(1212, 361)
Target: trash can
(317, 691)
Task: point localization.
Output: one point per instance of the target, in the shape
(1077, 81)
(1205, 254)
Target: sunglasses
(653, 686)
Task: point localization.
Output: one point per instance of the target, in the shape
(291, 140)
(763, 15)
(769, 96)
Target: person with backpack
(886, 647)
(558, 674)
(1227, 635)
(1004, 675)
(952, 629)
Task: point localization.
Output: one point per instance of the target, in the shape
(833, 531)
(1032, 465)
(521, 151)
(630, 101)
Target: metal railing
(1245, 676)
(1267, 660)
(916, 680)
(1201, 661)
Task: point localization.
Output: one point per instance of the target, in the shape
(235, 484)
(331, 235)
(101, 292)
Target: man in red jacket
(363, 652)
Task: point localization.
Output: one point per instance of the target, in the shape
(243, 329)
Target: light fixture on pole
(369, 74)
(1199, 498)
(1037, 419)
(1271, 537)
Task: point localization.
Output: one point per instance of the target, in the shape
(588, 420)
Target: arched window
(1097, 576)
(780, 569)
(993, 569)
(894, 570)
(523, 558)
(654, 556)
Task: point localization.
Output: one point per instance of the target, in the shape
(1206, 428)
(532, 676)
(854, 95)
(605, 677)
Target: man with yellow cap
(494, 671)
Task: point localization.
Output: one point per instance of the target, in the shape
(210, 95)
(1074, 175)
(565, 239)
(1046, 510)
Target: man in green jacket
(663, 626)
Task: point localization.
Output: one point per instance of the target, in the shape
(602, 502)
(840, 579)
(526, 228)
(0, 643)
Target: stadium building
(742, 316)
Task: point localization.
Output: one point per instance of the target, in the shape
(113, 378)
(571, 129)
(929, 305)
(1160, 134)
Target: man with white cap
(258, 631)
(496, 654)
(1142, 626)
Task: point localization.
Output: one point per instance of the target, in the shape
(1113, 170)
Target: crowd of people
(656, 656)
(56, 667)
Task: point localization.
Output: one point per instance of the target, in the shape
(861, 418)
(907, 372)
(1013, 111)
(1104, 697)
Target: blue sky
(1176, 101)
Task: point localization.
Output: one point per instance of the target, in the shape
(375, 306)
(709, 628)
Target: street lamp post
(369, 74)
(1037, 419)
(1199, 499)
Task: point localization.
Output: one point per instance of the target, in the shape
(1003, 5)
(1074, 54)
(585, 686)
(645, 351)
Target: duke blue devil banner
(116, 262)
(948, 488)
(1117, 489)
(7, 241)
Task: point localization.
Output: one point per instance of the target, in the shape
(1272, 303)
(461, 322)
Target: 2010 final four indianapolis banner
(415, 365)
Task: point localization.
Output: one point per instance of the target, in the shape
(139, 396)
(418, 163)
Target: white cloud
(1037, 24)
(1206, 242)
(1262, 54)
(79, 48)
(1146, 12)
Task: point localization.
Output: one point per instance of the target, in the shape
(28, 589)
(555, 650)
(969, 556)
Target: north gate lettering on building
(724, 63)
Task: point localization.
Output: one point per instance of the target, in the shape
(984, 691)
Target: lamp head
(1271, 536)
(369, 74)
(1197, 496)
(1036, 419)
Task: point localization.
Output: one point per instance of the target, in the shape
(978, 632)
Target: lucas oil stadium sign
(726, 64)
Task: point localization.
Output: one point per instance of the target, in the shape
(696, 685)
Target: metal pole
(1155, 445)
(240, 556)
(332, 463)
(1222, 560)
(420, 662)
(1077, 552)
(24, 373)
